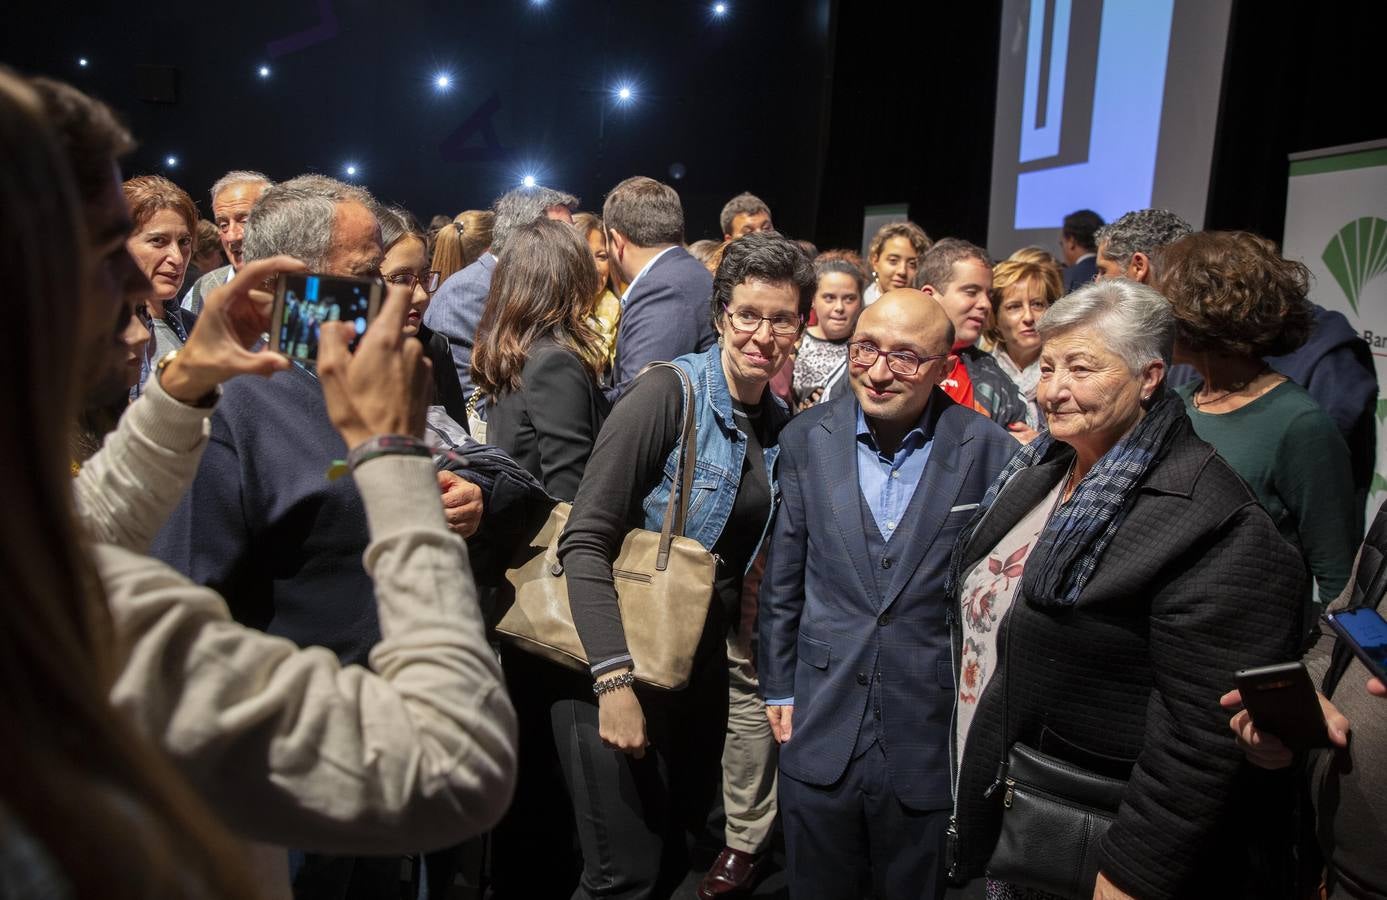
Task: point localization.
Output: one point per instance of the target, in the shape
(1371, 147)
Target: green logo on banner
(1357, 255)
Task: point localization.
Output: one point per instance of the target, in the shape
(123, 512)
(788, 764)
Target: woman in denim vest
(642, 765)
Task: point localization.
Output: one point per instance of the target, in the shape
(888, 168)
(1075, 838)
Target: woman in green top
(1237, 300)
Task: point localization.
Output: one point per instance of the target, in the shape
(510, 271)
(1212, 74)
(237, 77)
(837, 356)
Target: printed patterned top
(816, 360)
(987, 594)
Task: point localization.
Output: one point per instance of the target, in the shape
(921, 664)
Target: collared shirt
(888, 482)
(645, 268)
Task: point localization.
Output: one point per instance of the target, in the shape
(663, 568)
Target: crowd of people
(962, 512)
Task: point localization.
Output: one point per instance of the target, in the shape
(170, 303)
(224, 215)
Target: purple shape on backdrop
(326, 29)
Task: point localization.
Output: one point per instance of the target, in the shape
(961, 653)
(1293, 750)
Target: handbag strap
(677, 507)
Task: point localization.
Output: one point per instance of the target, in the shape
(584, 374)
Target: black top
(626, 465)
(447, 390)
(550, 423)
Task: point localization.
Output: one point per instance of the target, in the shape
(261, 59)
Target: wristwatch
(206, 401)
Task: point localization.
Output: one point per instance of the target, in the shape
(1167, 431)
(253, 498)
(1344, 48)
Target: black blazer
(550, 424)
(1196, 584)
(826, 629)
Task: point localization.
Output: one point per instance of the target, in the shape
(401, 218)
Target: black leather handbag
(1053, 814)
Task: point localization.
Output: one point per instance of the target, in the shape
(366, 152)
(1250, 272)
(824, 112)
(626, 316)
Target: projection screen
(1109, 105)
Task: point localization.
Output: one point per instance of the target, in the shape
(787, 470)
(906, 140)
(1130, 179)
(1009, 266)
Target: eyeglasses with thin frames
(748, 321)
(902, 362)
(428, 281)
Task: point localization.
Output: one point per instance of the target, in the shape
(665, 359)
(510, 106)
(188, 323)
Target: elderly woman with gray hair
(1114, 578)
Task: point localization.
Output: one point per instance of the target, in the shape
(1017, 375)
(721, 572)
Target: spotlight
(263, 71)
(529, 181)
(350, 169)
(82, 61)
(719, 9)
(442, 81)
(625, 93)
(171, 161)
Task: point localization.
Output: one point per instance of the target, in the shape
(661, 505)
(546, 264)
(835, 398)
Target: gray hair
(523, 206)
(236, 178)
(296, 218)
(744, 204)
(1142, 231)
(1133, 319)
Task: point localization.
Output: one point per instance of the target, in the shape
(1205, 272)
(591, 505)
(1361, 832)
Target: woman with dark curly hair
(1236, 301)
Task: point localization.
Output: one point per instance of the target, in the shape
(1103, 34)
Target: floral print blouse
(987, 595)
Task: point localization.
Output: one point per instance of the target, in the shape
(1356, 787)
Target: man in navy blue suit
(456, 310)
(855, 649)
(664, 312)
(1078, 247)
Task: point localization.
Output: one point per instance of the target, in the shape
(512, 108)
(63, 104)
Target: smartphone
(1366, 632)
(303, 302)
(1281, 700)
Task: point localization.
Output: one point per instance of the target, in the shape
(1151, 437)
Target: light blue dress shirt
(888, 482)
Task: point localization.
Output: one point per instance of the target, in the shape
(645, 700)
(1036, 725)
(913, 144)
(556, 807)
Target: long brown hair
(543, 286)
(105, 806)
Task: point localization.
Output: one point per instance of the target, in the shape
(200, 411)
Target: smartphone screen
(1367, 632)
(304, 302)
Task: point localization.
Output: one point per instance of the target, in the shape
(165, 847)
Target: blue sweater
(264, 527)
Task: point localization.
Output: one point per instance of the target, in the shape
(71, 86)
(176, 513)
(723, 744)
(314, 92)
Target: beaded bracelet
(607, 685)
(387, 445)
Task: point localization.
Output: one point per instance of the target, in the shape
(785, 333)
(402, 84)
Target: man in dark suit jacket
(1079, 248)
(855, 658)
(664, 312)
(456, 309)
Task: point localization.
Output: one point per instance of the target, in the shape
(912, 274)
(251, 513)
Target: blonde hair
(462, 242)
(1010, 272)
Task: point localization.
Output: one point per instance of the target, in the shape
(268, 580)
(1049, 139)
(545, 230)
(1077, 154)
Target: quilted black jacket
(1196, 584)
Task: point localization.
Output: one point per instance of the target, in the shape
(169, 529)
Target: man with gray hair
(744, 214)
(232, 198)
(1125, 247)
(456, 310)
(263, 523)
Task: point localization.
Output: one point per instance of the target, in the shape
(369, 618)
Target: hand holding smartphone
(1282, 702)
(304, 301)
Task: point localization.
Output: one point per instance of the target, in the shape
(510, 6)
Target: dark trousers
(835, 834)
(635, 816)
(534, 848)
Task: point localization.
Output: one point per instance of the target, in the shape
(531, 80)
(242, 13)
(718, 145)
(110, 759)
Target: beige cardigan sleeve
(289, 746)
(129, 488)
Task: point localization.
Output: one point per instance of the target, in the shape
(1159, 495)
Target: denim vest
(721, 451)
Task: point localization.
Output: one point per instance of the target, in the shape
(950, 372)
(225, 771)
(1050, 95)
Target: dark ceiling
(820, 106)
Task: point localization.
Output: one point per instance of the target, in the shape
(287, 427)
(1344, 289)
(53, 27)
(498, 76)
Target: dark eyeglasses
(749, 321)
(902, 362)
(428, 281)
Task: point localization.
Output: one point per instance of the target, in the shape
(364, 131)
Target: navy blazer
(665, 316)
(1080, 274)
(456, 311)
(826, 633)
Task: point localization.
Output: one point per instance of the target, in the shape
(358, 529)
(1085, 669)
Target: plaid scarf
(1074, 539)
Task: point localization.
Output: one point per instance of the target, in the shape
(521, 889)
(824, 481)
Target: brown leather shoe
(733, 874)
